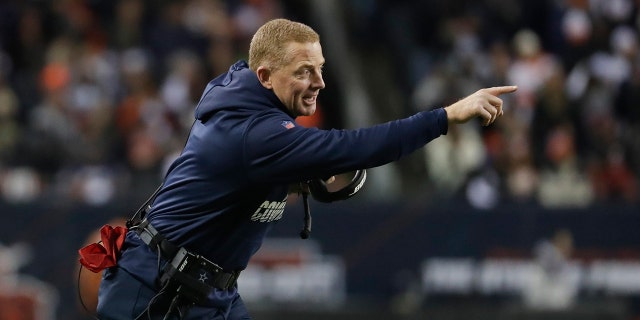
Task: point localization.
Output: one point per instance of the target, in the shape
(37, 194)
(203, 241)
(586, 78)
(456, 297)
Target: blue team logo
(287, 124)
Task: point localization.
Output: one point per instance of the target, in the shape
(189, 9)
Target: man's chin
(307, 110)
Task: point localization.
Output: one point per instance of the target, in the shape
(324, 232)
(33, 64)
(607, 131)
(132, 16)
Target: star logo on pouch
(203, 277)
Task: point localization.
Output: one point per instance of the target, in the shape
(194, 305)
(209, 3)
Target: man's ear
(264, 76)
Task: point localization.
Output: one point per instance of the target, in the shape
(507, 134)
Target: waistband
(186, 266)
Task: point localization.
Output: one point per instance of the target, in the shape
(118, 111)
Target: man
(231, 181)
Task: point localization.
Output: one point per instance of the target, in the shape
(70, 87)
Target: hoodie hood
(237, 88)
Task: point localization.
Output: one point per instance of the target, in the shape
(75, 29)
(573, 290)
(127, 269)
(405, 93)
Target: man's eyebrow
(310, 65)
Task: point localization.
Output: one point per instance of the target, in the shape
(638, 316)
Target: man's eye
(303, 73)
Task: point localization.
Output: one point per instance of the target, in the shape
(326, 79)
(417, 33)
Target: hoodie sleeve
(278, 150)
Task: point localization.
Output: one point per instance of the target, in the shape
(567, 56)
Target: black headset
(320, 192)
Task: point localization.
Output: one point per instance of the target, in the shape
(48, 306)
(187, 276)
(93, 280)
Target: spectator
(552, 285)
(531, 68)
(563, 182)
(451, 160)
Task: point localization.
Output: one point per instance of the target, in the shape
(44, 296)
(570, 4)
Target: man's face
(298, 83)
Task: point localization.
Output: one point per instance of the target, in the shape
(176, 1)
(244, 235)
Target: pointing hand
(484, 103)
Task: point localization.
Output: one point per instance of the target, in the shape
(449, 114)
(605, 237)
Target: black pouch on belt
(194, 277)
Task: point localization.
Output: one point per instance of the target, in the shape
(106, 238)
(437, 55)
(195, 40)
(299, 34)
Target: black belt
(185, 267)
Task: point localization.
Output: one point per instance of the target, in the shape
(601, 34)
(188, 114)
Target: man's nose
(317, 81)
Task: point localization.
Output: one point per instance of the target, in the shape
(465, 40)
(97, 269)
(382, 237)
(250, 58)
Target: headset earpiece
(320, 192)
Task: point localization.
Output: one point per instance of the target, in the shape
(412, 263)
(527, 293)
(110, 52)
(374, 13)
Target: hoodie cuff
(442, 120)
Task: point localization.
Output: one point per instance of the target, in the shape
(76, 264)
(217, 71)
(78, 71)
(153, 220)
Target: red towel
(104, 254)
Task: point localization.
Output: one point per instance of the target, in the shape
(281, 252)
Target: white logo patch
(269, 211)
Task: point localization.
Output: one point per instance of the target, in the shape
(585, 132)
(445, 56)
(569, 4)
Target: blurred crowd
(570, 134)
(96, 97)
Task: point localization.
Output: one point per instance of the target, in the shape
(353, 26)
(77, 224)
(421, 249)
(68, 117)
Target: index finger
(496, 91)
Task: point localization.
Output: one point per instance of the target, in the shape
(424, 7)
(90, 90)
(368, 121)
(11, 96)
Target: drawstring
(304, 234)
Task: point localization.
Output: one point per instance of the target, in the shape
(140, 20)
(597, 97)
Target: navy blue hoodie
(230, 183)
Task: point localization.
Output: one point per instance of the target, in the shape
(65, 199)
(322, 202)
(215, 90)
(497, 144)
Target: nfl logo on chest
(287, 124)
